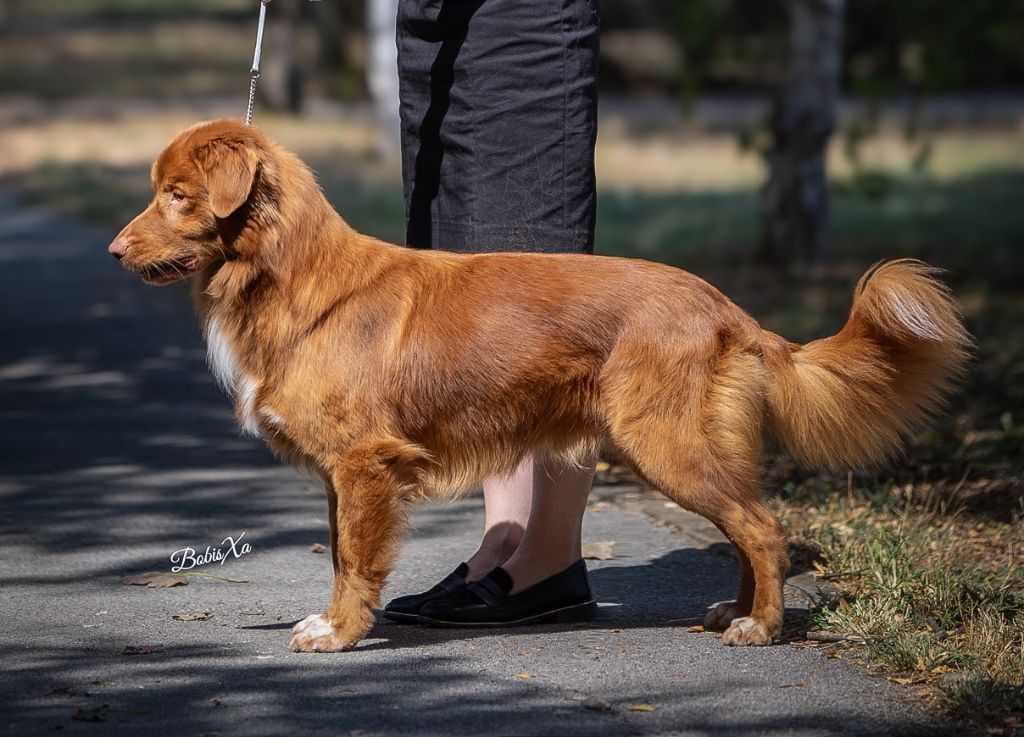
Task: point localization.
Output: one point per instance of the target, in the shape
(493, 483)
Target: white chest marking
(271, 416)
(223, 362)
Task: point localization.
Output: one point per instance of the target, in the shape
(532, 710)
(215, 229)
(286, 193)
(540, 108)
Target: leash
(255, 71)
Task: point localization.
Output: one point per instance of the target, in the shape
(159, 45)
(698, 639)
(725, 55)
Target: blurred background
(733, 131)
(777, 147)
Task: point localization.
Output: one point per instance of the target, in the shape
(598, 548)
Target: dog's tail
(850, 400)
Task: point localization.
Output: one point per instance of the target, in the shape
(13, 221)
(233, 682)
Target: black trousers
(499, 121)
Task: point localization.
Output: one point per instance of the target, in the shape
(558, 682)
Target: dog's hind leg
(699, 444)
(755, 618)
(370, 484)
(759, 538)
(732, 504)
(722, 615)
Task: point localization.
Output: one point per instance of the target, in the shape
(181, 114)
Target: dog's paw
(722, 615)
(315, 634)
(747, 631)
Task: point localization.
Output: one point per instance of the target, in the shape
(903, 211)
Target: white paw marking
(315, 625)
(745, 624)
(746, 631)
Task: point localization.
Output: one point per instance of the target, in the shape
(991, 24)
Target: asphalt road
(117, 450)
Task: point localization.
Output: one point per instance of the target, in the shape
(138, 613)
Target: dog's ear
(230, 170)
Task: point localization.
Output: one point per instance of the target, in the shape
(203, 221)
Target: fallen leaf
(640, 707)
(523, 676)
(193, 617)
(599, 551)
(155, 580)
(317, 548)
(695, 628)
(901, 681)
(90, 715)
(141, 649)
(593, 702)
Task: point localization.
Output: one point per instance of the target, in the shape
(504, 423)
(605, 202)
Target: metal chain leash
(255, 71)
(252, 98)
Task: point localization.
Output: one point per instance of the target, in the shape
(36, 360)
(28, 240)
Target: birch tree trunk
(382, 69)
(795, 204)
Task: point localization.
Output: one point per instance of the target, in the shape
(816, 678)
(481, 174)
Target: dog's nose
(118, 248)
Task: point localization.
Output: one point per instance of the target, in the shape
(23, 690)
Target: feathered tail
(850, 400)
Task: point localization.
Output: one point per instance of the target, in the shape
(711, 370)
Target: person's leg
(545, 579)
(492, 133)
(552, 541)
(532, 520)
(507, 502)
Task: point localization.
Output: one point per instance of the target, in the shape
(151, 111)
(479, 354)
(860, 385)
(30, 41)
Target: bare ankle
(529, 570)
(480, 564)
(498, 545)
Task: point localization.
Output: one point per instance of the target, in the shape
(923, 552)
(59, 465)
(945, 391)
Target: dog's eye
(177, 196)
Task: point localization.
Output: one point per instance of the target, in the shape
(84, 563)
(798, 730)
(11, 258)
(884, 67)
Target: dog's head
(204, 192)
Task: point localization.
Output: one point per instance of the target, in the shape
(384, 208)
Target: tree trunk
(282, 80)
(382, 69)
(795, 199)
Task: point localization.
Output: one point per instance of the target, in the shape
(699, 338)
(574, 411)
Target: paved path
(116, 449)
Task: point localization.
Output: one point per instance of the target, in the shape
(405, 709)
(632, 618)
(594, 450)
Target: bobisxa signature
(186, 558)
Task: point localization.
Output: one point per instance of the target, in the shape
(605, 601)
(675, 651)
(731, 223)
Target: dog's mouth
(169, 271)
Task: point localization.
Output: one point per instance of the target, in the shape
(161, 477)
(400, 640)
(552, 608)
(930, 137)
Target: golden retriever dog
(396, 374)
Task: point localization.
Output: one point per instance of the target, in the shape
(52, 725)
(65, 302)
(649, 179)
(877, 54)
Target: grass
(936, 595)
(929, 555)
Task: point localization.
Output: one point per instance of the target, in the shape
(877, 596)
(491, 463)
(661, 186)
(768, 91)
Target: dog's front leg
(366, 504)
(332, 520)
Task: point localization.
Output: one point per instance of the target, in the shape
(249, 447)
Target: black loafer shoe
(564, 597)
(406, 608)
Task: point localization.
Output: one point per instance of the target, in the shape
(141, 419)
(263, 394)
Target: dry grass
(938, 597)
(132, 139)
(676, 158)
(930, 552)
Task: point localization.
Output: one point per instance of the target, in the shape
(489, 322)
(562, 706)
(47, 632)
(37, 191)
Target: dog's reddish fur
(395, 373)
